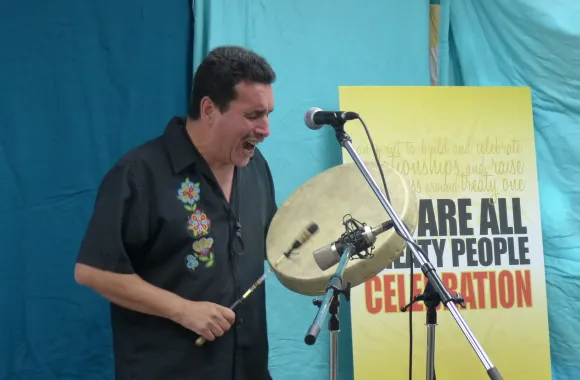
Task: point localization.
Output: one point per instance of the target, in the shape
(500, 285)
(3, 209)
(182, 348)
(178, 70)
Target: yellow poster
(469, 154)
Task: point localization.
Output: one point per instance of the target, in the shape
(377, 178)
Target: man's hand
(130, 291)
(207, 319)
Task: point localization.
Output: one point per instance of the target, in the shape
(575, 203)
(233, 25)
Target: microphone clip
(359, 236)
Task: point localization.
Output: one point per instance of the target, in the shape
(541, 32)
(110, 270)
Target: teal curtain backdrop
(315, 46)
(81, 82)
(537, 44)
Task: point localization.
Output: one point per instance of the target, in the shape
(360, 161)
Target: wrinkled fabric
(81, 83)
(537, 44)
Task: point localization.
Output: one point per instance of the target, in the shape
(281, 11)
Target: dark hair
(219, 73)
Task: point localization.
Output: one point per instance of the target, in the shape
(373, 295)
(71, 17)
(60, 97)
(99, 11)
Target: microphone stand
(431, 299)
(331, 303)
(426, 267)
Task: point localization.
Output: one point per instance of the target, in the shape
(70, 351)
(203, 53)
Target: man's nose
(263, 128)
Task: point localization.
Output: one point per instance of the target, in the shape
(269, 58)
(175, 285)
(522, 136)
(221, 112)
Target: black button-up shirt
(160, 213)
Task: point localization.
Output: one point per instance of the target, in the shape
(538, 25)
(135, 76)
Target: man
(178, 233)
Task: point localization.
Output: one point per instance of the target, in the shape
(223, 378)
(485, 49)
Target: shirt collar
(182, 152)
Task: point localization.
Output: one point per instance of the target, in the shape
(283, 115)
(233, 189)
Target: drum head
(326, 199)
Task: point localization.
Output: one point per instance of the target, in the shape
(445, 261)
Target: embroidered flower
(203, 252)
(188, 193)
(191, 262)
(199, 223)
(203, 246)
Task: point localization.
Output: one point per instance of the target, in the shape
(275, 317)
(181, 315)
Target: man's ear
(207, 109)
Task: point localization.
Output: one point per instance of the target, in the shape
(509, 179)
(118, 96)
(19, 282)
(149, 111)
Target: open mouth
(249, 146)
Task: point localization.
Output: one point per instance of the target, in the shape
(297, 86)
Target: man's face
(244, 124)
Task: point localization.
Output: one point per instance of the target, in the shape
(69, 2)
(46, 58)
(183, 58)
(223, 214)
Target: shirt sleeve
(119, 224)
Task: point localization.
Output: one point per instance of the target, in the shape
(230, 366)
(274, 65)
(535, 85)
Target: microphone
(303, 237)
(315, 118)
(362, 239)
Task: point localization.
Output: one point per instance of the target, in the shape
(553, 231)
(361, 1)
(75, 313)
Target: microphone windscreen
(309, 118)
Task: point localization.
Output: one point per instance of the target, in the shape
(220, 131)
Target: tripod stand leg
(431, 352)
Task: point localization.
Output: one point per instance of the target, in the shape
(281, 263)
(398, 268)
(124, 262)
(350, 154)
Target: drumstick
(306, 234)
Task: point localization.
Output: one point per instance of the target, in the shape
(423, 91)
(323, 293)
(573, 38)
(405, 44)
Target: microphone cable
(417, 247)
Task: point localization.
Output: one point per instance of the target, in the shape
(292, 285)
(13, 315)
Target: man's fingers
(219, 320)
(217, 330)
(222, 323)
(208, 335)
(229, 315)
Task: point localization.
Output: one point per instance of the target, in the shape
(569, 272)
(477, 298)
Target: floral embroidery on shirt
(191, 262)
(203, 252)
(198, 223)
(188, 193)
